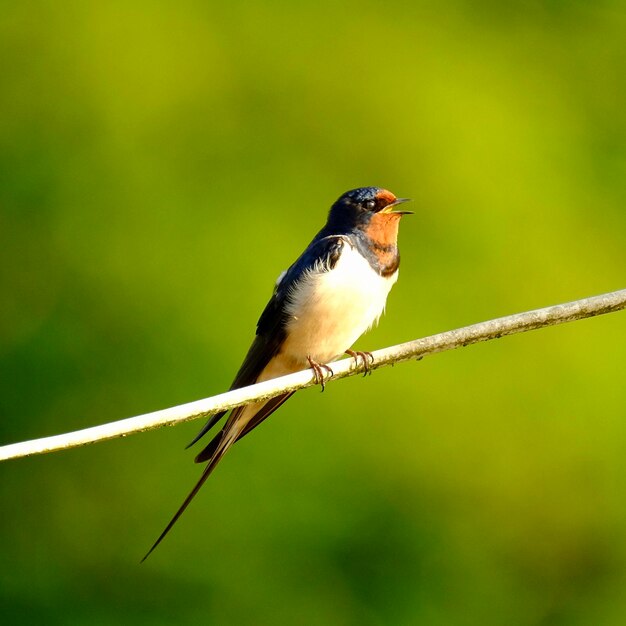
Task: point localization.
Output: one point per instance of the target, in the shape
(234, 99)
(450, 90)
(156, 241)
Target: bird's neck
(381, 242)
(383, 228)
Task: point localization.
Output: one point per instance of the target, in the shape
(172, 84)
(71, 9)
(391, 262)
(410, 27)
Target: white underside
(330, 310)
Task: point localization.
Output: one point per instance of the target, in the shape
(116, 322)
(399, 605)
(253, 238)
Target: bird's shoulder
(321, 255)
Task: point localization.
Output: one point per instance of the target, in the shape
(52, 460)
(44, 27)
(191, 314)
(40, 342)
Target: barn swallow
(332, 294)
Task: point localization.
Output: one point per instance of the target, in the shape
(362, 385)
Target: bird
(334, 292)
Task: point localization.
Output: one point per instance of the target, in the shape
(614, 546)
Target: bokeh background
(162, 162)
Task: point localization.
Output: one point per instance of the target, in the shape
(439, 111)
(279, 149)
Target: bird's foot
(318, 370)
(366, 357)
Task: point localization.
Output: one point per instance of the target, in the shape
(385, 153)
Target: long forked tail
(236, 427)
(214, 419)
(262, 414)
(215, 459)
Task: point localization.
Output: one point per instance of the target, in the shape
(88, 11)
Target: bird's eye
(370, 205)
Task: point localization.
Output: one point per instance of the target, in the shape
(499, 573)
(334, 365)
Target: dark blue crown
(362, 194)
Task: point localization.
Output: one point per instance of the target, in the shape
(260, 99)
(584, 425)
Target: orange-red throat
(383, 228)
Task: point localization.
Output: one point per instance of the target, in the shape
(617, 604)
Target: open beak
(396, 202)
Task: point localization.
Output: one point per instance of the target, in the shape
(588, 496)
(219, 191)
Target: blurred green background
(161, 163)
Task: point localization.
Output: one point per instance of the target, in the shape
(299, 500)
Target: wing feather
(321, 255)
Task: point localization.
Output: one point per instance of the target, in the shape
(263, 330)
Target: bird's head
(357, 207)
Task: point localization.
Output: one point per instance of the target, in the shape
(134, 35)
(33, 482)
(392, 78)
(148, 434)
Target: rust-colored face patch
(383, 228)
(385, 197)
(382, 232)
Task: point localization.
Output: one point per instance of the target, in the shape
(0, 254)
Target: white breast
(330, 310)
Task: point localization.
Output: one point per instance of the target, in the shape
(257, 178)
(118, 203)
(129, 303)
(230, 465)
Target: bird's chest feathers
(329, 310)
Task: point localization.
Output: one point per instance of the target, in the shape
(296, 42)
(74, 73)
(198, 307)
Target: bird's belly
(330, 310)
